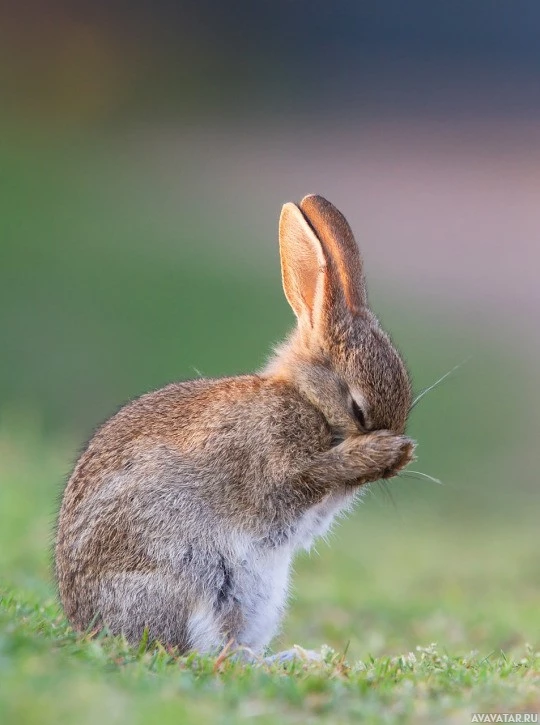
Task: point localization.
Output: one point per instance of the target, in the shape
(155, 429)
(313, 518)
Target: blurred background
(145, 152)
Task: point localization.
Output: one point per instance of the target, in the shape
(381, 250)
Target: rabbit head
(338, 357)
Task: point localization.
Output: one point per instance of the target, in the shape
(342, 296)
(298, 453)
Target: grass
(102, 314)
(51, 676)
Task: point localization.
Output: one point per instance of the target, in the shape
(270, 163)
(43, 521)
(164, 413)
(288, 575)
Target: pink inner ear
(308, 274)
(302, 261)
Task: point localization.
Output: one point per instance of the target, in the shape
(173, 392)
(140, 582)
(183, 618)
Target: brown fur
(181, 498)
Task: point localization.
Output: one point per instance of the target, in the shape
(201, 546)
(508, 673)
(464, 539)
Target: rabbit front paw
(381, 454)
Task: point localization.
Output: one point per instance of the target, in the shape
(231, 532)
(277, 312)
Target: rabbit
(184, 511)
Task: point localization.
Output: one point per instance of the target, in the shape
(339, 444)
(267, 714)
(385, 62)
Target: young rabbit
(185, 509)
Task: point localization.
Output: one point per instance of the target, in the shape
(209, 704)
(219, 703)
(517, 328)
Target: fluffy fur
(184, 511)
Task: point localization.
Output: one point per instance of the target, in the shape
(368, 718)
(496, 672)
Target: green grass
(114, 279)
(50, 676)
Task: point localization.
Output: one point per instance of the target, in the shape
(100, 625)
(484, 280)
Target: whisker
(438, 382)
(408, 475)
(416, 474)
(388, 494)
(384, 488)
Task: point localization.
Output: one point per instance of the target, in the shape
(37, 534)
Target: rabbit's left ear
(340, 248)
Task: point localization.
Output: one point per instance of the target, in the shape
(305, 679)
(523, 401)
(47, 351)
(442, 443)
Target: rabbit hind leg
(151, 605)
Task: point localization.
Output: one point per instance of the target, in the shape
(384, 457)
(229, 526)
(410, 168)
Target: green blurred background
(144, 157)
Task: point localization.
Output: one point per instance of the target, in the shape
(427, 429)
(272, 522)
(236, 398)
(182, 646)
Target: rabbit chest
(265, 576)
(259, 575)
(319, 518)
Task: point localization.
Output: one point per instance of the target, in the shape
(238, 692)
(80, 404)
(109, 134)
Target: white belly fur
(263, 580)
(318, 520)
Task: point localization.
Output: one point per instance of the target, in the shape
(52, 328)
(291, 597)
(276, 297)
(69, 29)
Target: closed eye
(358, 414)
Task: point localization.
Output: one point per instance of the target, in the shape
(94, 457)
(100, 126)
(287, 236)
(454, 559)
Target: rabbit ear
(340, 248)
(303, 264)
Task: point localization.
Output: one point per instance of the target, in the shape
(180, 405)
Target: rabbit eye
(358, 414)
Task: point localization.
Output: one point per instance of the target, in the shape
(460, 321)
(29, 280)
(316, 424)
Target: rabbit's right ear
(303, 265)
